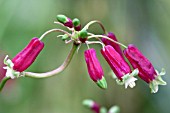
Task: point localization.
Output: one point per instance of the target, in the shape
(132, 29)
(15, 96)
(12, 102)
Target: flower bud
(103, 110)
(114, 45)
(145, 67)
(65, 20)
(94, 68)
(114, 109)
(92, 105)
(77, 24)
(24, 58)
(64, 37)
(83, 35)
(119, 66)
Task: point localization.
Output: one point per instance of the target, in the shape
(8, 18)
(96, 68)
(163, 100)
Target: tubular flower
(65, 20)
(92, 105)
(119, 66)
(94, 68)
(145, 67)
(114, 45)
(23, 59)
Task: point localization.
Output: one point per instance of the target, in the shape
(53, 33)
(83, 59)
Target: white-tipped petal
(130, 82)
(9, 67)
(9, 73)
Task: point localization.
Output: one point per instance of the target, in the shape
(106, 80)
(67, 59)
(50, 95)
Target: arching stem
(102, 36)
(54, 30)
(57, 70)
(95, 21)
(3, 81)
(63, 25)
(95, 42)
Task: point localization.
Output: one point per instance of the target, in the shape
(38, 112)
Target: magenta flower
(65, 20)
(145, 67)
(119, 66)
(114, 45)
(92, 105)
(24, 58)
(94, 68)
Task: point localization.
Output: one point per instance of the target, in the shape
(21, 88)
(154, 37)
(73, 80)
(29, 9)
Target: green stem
(57, 70)
(102, 36)
(95, 21)
(54, 30)
(2, 83)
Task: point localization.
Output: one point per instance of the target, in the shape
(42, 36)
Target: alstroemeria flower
(92, 105)
(94, 68)
(119, 66)
(65, 20)
(145, 67)
(23, 59)
(114, 45)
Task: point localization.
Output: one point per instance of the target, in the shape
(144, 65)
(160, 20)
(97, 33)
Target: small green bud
(103, 110)
(64, 37)
(62, 18)
(88, 103)
(83, 34)
(114, 109)
(76, 22)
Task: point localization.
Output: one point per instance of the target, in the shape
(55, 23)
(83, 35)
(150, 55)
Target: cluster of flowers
(111, 51)
(96, 108)
(124, 75)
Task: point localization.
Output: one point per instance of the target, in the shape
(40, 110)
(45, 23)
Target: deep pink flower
(24, 58)
(119, 66)
(27, 56)
(92, 105)
(94, 68)
(145, 67)
(114, 45)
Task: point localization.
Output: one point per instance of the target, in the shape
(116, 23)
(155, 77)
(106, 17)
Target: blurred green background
(145, 23)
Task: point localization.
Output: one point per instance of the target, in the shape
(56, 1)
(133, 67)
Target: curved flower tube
(114, 45)
(23, 59)
(94, 68)
(119, 66)
(145, 67)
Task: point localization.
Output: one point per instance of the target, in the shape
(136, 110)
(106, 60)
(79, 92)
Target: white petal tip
(130, 82)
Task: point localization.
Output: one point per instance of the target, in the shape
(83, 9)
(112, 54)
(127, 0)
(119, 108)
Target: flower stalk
(57, 70)
(47, 74)
(95, 21)
(101, 36)
(2, 83)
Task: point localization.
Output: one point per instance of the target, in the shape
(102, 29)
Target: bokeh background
(145, 23)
